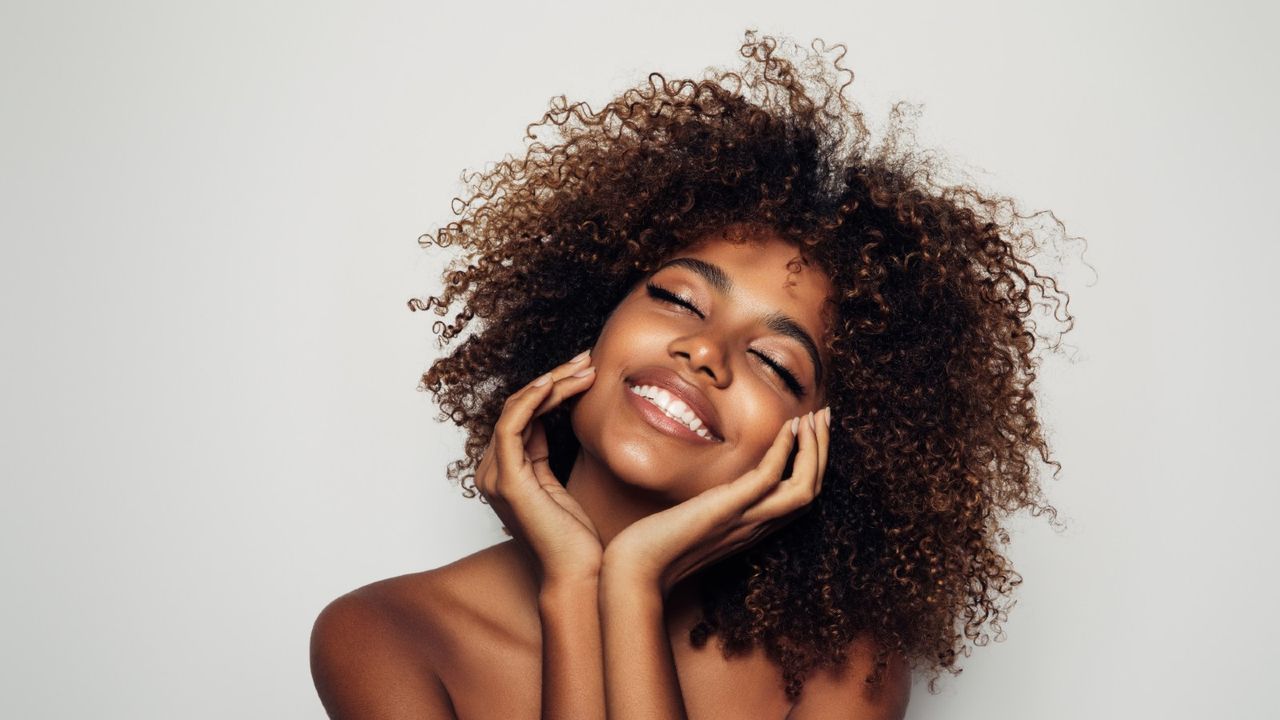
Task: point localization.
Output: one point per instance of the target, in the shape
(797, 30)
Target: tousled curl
(935, 432)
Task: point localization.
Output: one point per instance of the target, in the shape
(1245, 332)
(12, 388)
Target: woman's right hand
(514, 476)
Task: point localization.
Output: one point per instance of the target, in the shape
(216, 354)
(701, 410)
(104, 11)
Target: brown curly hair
(935, 425)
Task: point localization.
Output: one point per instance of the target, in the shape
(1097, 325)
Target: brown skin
(935, 435)
(717, 353)
(701, 501)
(390, 650)
(719, 497)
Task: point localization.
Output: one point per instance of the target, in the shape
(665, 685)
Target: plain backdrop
(211, 427)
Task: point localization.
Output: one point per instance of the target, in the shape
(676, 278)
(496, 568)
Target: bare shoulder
(371, 657)
(375, 651)
(844, 692)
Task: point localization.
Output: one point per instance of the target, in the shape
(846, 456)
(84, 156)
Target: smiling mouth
(673, 408)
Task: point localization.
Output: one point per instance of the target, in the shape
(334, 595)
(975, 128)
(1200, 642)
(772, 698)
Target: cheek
(631, 339)
(626, 341)
(759, 433)
(751, 408)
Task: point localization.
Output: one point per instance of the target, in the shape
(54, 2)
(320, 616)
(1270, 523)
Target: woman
(804, 406)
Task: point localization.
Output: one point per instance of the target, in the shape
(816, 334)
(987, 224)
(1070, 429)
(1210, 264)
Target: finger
(798, 490)
(536, 445)
(824, 445)
(509, 431)
(572, 370)
(566, 387)
(805, 471)
(482, 469)
(539, 455)
(758, 481)
(556, 373)
(717, 504)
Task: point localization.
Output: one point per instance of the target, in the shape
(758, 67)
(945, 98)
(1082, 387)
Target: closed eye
(664, 295)
(787, 377)
(661, 294)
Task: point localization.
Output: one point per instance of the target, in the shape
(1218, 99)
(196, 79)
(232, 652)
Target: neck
(611, 503)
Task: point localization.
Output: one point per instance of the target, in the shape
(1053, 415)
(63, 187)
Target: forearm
(639, 670)
(572, 671)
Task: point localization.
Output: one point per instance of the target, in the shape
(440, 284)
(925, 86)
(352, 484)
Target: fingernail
(826, 415)
(542, 380)
(795, 425)
(585, 371)
(812, 425)
(580, 356)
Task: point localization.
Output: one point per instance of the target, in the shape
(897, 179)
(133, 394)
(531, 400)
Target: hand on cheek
(515, 478)
(668, 546)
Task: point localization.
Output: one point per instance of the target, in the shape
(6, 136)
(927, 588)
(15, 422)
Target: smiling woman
(798, 408)
(725, 329)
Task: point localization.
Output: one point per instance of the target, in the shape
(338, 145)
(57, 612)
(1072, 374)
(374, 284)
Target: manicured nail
(542, 380)
(795, 425)
(812, 424)
(580, 356)
(585, 371)
(826, 415)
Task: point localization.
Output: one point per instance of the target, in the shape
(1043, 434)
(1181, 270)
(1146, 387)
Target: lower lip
(662, 421)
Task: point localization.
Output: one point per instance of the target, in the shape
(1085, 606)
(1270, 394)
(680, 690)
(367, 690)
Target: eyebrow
(778, 322)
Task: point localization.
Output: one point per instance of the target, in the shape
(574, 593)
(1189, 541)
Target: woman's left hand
(668, 546)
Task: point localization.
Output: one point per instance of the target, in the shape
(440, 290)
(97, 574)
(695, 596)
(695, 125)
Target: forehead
(768, 270)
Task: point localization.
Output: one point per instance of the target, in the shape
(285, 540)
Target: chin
(612, 433)
(640, 474)
(653, 472)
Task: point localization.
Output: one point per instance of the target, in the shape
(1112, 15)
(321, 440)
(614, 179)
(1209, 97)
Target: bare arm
(515, 477)
(640, 672)
(572, 674)
(645, 560)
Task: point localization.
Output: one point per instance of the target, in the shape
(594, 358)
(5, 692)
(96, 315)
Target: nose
(704, 353)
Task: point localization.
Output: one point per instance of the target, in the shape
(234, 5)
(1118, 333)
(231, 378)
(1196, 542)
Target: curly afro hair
(935, 436)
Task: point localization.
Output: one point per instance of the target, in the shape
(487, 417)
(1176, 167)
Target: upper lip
(674, 383)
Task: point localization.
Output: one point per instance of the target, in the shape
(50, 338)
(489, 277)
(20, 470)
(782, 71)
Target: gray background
(209, 214)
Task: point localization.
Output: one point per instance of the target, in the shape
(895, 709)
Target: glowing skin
(565, 627)
(629, 468)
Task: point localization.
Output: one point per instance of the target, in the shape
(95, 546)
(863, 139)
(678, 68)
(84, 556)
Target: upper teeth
(673, 407)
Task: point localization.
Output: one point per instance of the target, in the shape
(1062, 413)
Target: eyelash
(662, 294)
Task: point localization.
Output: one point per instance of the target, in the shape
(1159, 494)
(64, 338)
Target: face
(726, 337)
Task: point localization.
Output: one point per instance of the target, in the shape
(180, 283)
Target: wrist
(567, 589)
(623, 571)
(629, 598)
(568, 573)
